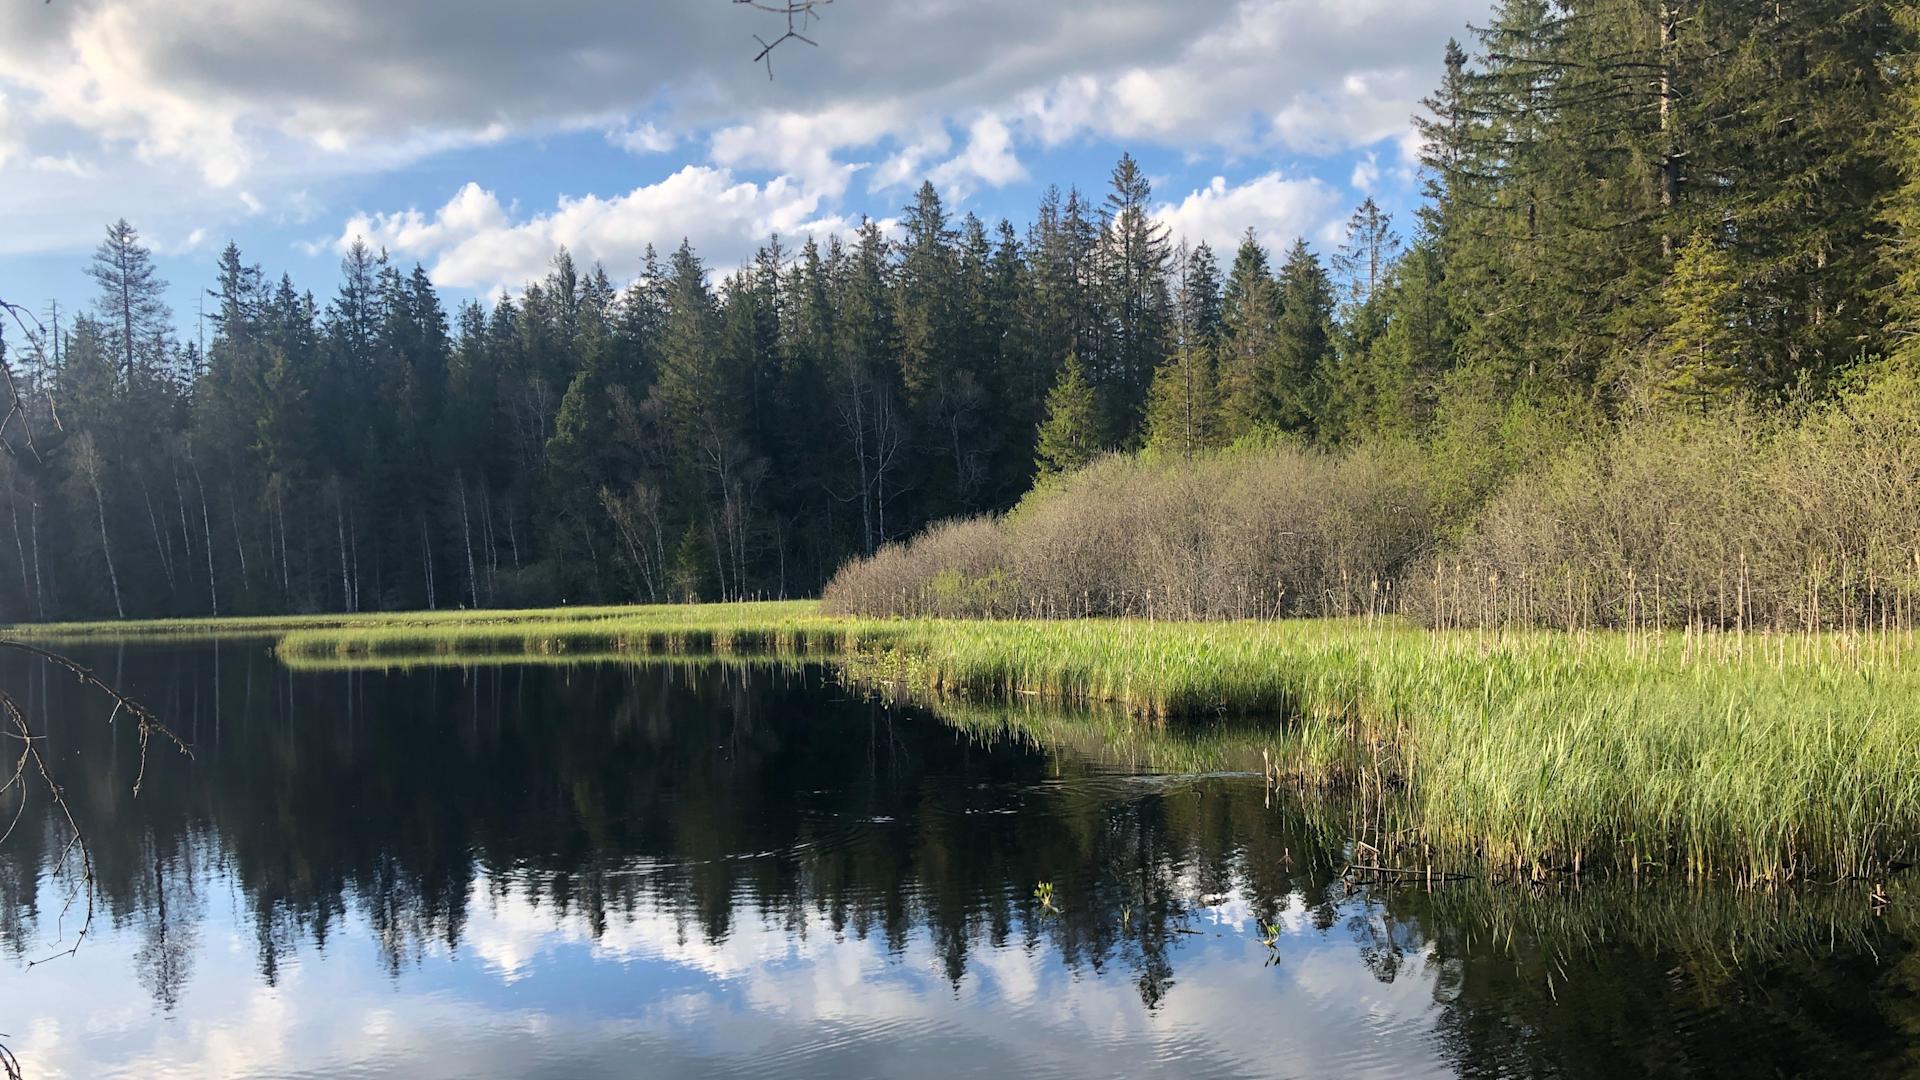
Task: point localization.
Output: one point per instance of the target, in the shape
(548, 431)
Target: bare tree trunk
(353, 536)
(719, 561)
(490, 550)
(426, 559)
(280, 512)
(239, 546)
(340, 533)
(1669, 137)
(592, 555)
(206, 525)
(660, 548)
(513, 537)
(853, 414)
(39, 589)
(466, 534)
(186, 533)
(159, 543)
(20, 547)
(113, 578)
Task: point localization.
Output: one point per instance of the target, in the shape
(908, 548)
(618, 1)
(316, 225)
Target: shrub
(1255, 532)
(1720, 520)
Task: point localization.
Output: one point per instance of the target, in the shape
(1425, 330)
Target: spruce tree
(1900, 248)
(1302, 342)
(130, 305)
(1181, 406)
(1249, 316)
(1134, 297)
(1074, 432)
(1701, 347)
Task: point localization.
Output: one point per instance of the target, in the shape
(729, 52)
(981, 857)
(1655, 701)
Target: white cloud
(989, 158)
(1366, 173)
(1277, 208)
(474, 242)
(234, 88)
(909, 165)
(806, 145)
(643, 138)
(9, 139)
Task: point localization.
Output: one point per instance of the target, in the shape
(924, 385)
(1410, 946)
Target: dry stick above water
(13, 719)
(13, 724)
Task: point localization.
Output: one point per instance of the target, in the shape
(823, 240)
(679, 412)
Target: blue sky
(477, 137)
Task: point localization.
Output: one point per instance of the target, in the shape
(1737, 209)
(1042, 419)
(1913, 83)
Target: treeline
(1632, 209)
(674, 438)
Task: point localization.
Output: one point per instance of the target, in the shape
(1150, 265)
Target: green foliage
(1701, 350)
(1181, 405)
(1699, 755)
(1073, 434)
(1699, 203)
(1900, 214)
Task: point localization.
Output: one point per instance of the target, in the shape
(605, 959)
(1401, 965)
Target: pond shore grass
(1762, 758)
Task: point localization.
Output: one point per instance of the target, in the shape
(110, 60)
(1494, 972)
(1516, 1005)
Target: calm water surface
(684, 870)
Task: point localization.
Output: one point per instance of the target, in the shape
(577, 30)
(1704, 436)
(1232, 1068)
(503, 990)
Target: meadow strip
(1756, 757)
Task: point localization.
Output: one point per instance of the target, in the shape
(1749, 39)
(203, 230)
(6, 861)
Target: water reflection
(700, 870)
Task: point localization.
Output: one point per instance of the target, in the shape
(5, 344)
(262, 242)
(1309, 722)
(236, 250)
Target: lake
(687, 869)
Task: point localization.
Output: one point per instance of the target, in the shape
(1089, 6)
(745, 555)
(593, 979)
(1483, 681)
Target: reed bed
(1760, 757)
(767, 628)
(349, 624)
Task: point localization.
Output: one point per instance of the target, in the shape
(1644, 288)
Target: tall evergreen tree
(129, 304)
(1075, 430)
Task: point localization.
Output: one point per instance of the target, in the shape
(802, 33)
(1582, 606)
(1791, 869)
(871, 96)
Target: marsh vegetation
(1762, 757)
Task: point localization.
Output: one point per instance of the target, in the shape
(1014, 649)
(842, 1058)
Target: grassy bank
(774, 627)
(1761, 757)
(345, 630)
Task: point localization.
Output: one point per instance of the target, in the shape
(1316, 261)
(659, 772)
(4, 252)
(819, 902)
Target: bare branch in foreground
(800, 16)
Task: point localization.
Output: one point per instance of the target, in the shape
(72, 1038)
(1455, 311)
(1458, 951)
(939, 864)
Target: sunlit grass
(1753, 756)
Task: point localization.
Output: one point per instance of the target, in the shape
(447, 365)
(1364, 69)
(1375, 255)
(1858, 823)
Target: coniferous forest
(1699, 208)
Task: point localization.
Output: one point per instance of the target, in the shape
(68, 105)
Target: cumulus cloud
(1276, 207)
(989, 158)
(9, 139)
(643, 138)
(220, 84)
(275, 105)
(1366, 173)
(475, 242)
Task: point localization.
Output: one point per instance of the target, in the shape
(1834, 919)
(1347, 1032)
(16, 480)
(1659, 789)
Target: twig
(799, 13)
(147, 723)
(17, 405)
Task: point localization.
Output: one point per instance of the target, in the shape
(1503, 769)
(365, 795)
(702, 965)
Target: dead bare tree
(800, 15)
(75, 861)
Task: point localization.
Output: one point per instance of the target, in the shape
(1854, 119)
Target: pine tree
(1302, 342)
(1900, 250)
(1134, 297)
(1074, 432)
(1412, 354)
(1701, 347)
(1249, 315)
(1197, 301)
(1181, 407)
(130, 305)
(1368, 251)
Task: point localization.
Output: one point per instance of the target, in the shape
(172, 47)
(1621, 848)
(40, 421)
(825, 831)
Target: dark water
(684, 870)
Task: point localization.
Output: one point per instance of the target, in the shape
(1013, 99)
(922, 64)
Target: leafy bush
(1724, 520)
(1256, 532)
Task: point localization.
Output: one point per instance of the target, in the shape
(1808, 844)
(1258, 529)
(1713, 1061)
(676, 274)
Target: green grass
(1759, 758)
(395, 624)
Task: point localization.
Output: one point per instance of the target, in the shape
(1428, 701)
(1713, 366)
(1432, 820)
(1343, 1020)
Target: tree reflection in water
(722, 798)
